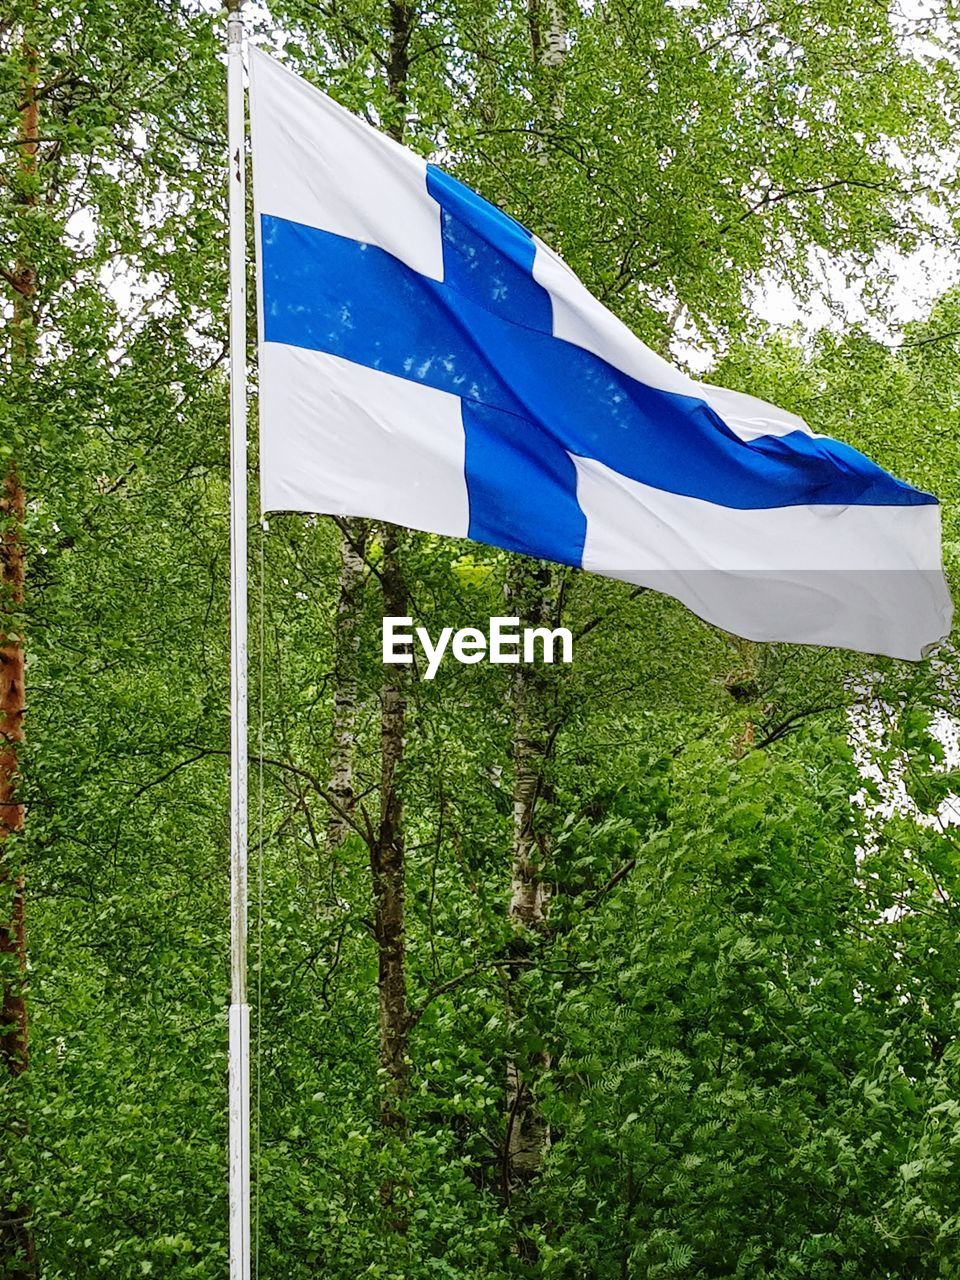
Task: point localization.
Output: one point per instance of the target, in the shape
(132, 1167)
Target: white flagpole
(239, 1047)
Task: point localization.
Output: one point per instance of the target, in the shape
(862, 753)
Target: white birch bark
(530, 596)
(346, 689)
(530, 589)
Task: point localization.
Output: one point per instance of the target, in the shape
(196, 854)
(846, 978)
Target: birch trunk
(528, 1136)
(346, 686)
(530, 594)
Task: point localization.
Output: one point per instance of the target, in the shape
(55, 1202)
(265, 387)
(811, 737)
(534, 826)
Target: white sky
(919, 278)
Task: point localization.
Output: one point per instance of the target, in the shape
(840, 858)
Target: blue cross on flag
(425, 360)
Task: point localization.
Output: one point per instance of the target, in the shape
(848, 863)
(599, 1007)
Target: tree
(721, 1011)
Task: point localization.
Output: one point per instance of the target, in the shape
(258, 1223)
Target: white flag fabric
(426, 360)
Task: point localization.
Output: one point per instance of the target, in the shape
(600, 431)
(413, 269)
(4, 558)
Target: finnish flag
(425, 360)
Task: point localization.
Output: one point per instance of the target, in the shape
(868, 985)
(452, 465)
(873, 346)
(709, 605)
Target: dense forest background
(642, 968)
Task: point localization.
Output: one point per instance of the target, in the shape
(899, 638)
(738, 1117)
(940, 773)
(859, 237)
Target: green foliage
(746, 989)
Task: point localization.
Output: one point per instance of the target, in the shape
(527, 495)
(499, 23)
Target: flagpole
(239, 1042)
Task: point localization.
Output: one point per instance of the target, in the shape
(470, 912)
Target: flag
(426, 360)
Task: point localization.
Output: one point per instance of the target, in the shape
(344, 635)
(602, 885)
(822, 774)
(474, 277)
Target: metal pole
(239, 1049)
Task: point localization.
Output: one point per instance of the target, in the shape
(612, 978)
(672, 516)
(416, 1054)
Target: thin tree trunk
(13, 1037)
(17, 1256)
(346, 685)
(387, 853)
(387, 866)
(17, 1253)
(386, 848)
(530, 592)
(528, 1135)
(386, 844)
(403, 21)
(388, 876)
(549, 47)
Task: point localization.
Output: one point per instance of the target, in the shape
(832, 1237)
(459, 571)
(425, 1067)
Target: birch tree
(722, 1012)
